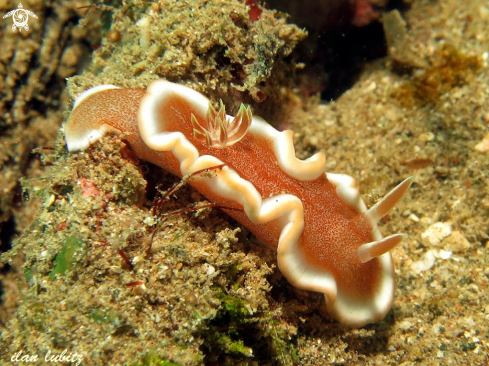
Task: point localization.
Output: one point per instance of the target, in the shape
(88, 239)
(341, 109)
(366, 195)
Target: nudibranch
(326, 239)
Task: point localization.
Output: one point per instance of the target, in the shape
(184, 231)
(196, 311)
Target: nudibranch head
(326, 238)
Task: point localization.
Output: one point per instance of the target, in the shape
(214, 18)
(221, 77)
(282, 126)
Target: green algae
(67, 257)
(224, 342)
(102, 316)
(28, 275)
(152, 359)
(234, 306)
(236, 333)
(281, 346)
(223, 334)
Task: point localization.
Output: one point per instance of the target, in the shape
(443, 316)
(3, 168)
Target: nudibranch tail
(326, 239)
(98, 111)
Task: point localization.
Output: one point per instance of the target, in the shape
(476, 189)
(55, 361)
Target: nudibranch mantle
(326, 239)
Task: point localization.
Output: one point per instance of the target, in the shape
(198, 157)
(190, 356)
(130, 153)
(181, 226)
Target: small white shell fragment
(405, 325)
(437, 328)
(428, 260)
(470, 322)
(150, 220)
(49, 201)
(209, 270)
(483, 146)
(115, 269)
(414, 218)
(424, 263)
(428, 136)
(437, 232)
(485, 56)
(161, 272)
(370, 88)
(443, 254)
